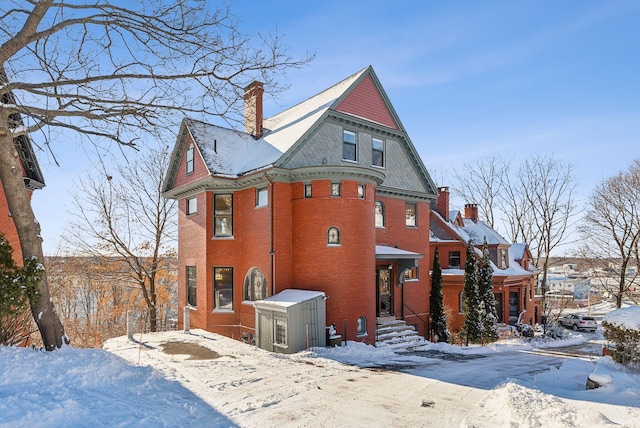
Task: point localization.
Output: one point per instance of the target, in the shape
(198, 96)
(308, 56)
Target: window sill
(249, 302)
(334, 245)
(350, 161)
(380, 227)
(261, 206)
(378, 167)
(223, 238)
(411, 227)
(363, 335)
(412, 280)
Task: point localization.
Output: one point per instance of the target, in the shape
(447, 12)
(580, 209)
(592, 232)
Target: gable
(365, 101)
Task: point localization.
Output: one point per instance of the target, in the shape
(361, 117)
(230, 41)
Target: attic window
(189, 159)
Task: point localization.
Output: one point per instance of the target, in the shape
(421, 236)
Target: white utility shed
(291, 321)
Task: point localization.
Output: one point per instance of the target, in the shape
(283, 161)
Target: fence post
(187, 311)
(130, 325)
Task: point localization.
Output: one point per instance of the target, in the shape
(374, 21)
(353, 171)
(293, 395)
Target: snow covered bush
(622, 329)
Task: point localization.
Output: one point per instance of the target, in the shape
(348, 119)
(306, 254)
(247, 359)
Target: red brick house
(33, 180)
(514, 274)
(329, 195)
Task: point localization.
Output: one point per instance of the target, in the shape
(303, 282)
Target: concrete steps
(397, 334)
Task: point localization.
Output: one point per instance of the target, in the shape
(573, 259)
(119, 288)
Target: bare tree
(111, 72)
(549, 198)
(123, 221)
(611, 230)
(481, 183)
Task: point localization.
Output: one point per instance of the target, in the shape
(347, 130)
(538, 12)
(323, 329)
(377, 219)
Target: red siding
(199, 168)
(365, 101)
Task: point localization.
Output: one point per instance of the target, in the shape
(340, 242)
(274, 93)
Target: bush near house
(626, 343)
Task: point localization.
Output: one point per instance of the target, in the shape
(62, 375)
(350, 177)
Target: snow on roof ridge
(352, 77)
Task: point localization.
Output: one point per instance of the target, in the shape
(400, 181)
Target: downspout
(272, 251)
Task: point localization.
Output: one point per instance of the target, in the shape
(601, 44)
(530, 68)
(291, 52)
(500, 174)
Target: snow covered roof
(477, 231)
(233, 153)
(447, 231)
(285, 128)
(516, 251)
(230, 152)
(290, 297)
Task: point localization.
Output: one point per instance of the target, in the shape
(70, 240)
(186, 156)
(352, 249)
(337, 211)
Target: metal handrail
(424, 322)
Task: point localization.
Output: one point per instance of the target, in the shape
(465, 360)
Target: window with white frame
(262, 197)
(377, 152)
(280, 331)
(307, 191)
(333, 236)
(223, 215)
(223, 288)
(361, 191)
(192, 286)
(379, 214)
(335, 189)
(349, 151)
(411, 214)
(192, 206)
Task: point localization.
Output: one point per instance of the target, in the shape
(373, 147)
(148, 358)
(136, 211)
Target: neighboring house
(329, 196)
(33, 179)
(514, 274)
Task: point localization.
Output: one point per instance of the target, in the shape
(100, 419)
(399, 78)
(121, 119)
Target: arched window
(255, 287)
(333, 236)
(361, 326)
(379, 214)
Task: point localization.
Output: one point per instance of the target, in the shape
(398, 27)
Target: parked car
(578, 322)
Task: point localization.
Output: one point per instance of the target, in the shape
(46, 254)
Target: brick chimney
(253, 109)
(471, 211)
(443, 202)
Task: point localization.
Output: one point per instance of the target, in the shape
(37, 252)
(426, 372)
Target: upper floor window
(262, 197)
(333, 236)
(377, 152)
(379, 214)
(348, 145)
(254, 285)
(189, 159)
(192, 206)
(411, 214)
(360, 191)
(223, 215)
(307, 191)
(335, 189)
(454, 259)
(192, 286)
(223, 288)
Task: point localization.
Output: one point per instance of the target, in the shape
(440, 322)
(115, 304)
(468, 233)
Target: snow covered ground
(202, 379)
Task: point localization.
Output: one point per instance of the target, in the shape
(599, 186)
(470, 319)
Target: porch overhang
(405, 259)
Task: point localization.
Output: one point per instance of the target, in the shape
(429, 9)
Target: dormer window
(504, 262)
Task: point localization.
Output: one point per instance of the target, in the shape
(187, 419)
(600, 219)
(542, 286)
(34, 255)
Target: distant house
(514, 274)
(329, 196)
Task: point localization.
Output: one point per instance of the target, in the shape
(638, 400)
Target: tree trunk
(28, 229)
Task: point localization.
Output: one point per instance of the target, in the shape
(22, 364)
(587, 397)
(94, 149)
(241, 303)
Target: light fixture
(390, 266)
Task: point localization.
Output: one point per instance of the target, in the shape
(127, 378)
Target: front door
(384, 293)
